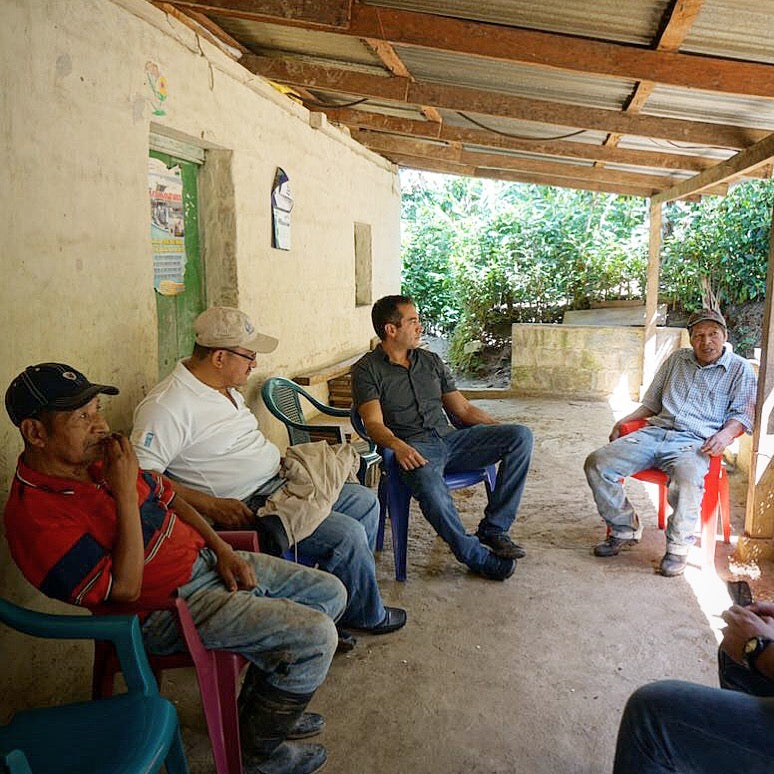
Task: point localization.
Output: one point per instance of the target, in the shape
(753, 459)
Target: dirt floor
(528, 676)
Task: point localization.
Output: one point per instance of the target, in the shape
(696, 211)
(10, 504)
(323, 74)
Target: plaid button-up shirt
(699, 399)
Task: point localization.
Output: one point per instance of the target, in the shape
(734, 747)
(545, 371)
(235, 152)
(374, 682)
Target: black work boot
(267, 717)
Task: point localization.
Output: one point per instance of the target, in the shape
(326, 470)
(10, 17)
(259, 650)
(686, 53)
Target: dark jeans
(464, 450)
(672, 726)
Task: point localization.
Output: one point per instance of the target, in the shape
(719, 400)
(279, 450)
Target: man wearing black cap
(86, 526)
(196, 427)
(700, 400)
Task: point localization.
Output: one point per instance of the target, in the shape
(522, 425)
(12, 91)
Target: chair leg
(382, 492)
(662, 506)
(103, 675)
(710, 508)
(399, 501)
(176, 762)
(724, 503)
(228, 669)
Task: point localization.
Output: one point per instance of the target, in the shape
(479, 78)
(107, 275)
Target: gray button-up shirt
(701, 399)
(410, 397)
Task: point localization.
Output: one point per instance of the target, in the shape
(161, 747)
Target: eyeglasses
(251, 357)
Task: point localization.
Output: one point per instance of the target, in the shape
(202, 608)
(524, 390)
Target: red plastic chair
(714, 503)
(217, 672)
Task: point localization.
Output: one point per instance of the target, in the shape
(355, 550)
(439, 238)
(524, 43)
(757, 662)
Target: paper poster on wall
(281, 205)
(165, 187)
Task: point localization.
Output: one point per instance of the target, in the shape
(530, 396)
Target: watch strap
(751, 655)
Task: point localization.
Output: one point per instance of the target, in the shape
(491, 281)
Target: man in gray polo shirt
(402, 394)
(699, 401)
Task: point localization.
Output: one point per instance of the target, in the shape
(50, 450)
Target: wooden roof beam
(679, 20)
(402, 90)
(511, 44)
(358, 120)
(320, 13)
(387, 146)
(759, 154)
(396, 66)
(450, 168)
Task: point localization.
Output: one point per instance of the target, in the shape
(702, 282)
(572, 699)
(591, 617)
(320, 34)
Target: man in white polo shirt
(195, 427)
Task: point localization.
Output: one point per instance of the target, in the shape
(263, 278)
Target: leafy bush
(481, 254)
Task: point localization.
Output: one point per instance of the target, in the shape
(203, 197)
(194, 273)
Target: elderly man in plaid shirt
(699, 401)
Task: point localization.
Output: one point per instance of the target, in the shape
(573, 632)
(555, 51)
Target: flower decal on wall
(157, 83)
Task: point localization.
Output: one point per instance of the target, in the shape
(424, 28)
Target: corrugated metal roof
(740, 29)
(692, 105)
(519, 80)
(262, 38)
(632, 21)
(727, 30)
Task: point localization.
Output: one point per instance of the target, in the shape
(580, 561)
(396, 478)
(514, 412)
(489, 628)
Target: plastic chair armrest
(241, 539)
(123, 631)
(634, 424)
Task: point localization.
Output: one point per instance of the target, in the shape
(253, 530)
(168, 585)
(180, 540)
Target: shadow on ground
(528, 676)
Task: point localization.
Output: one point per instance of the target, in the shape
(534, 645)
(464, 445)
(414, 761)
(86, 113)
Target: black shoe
(502, 545)
(309, 724)
(673, 565)
(394, 619)
(288, 758)
(495, 568)
(347, 641)
(613, 545)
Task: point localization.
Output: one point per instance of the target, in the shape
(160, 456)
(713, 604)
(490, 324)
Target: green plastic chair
(133, 733)
(283, 399)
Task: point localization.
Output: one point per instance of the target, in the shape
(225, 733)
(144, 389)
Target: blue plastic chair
(135, 732)
(395, 496)
(283, 399)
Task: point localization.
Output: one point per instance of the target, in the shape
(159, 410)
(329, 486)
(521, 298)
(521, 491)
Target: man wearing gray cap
(195, 427)
(699, 401)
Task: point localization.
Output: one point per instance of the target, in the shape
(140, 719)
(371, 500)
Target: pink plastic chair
(217, 672)
(714, 503)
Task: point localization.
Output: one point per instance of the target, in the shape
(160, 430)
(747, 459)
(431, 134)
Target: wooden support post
(649, 352)
(757, 542)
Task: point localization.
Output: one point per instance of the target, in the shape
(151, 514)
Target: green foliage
(725, 239)
(481, 254)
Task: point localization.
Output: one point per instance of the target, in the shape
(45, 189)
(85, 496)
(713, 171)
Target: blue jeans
(676, 453)
(344, 546)
(284, 625)
(469, 449)
(672, 726)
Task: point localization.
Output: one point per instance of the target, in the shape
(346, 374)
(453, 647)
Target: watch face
(751, 645)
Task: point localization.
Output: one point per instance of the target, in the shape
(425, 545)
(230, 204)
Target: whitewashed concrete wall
(584, 362)
(74, 215)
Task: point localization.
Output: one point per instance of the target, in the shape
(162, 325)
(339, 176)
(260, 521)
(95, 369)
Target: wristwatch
(753, 648)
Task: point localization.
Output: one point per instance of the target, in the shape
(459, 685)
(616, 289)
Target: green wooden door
(176, 313)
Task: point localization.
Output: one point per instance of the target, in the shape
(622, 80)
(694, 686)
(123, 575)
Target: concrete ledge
(582, 361)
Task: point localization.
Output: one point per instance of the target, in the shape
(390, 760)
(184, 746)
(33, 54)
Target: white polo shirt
(200, 438)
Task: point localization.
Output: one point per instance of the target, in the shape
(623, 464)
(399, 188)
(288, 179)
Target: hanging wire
(518, 136)
(317, 103)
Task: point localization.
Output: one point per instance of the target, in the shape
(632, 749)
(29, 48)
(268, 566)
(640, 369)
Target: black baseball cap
(50, 386)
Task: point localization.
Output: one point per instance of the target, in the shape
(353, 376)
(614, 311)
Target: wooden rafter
(523, 46)
(395, 65)
(758, 155)
(402, 90)
(680, 19)
(359, 120)
(451, 168)
(388, 146)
